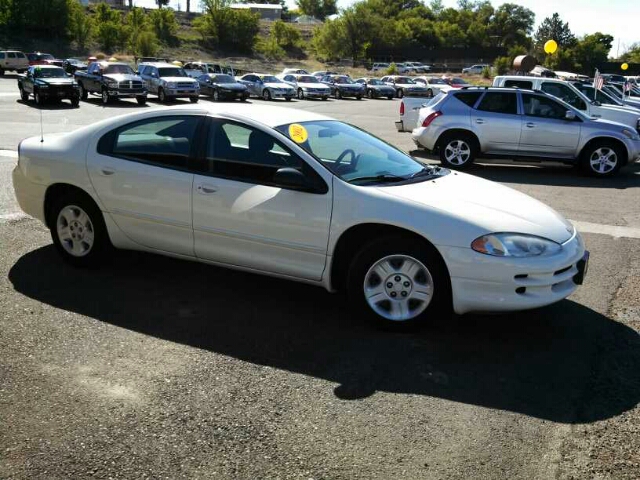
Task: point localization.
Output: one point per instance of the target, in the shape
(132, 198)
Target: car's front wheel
(142, 100)
(105, 96)
(602, 159)
(39, 98)
(194, 99)
(398, 281)
(400, 93)
(457, 151)
(216, 95)
(24, 95)
(300, 94)
(370, 93)
(78, 230)
(266, 94)
(83, 93)
(162, 96)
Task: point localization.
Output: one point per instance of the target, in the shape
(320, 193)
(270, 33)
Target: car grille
(61, 88)
(130, 85)
(533, 284)
(186, 85)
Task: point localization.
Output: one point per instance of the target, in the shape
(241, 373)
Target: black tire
(288, 99)
(325, 98)
(75, 102)
(101, 247)
(300, 94)
(602, 149)
(266, 94)
(194, 99)
(370, 93)
(390, 97)
(462, 143)
(429, 93)
(162, 97)
(83, 93)
(338, 94)
(106, 99)
(142, 100)
(24, 95)
(1, 72)
(216, 95)
(392, 246)
(358, 97)
(400, 93)
(38, 98)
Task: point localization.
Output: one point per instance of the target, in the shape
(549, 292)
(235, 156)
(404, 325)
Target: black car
(222, 87)
(343, 86)
(48, 82)
(70, 65)
(376, 88)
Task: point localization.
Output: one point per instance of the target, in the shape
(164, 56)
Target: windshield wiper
(427, 170)
(382, 178)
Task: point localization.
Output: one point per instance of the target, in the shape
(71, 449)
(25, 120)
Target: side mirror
(596, 103)
(290, 177)
(570, 115)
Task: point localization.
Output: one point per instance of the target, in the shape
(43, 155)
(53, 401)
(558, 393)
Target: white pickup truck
(570, 94)
(410, 111)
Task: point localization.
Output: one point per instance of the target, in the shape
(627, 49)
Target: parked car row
(408, 68)
(525, 118)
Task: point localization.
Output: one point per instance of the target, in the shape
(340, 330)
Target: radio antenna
(41, 129)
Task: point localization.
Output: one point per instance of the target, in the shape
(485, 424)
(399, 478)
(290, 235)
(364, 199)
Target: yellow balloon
(550, 46)
(624, 66)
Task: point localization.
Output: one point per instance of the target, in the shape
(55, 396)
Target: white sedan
(296, 195)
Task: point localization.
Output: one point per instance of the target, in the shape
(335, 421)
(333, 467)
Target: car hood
(56, 81)
(489, 206)
(624, 110)
(123, 77)
(381, 87)
(313, 85)
(278, 85)
(180, 79)
(232, 86)
(348, 85)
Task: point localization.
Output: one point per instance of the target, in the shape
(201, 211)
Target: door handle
(479, 121)
(530, 125)
(107, 171)
(206, 189)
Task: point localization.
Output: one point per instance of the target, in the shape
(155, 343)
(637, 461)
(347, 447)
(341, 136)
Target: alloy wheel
(398, 287)
(216, 95)
(457, 152)
(75, 231)
(603, 160)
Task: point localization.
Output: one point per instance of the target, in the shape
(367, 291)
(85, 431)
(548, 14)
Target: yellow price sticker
(298, 133)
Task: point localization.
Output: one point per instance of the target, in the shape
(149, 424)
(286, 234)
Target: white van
(570, 94)
(13, 60)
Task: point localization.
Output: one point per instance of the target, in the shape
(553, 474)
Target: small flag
(598, 81)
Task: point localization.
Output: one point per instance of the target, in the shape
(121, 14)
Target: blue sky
(616, 17)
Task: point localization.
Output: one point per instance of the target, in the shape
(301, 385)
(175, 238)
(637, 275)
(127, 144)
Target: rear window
(468, 98)
(519, 84)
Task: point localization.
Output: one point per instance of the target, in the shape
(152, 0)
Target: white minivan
(13, 60)
(570, 94)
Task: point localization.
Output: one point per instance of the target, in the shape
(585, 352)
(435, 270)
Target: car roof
(161, 64)
(44, 67)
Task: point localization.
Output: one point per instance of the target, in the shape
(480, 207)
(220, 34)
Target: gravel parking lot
(158, 368)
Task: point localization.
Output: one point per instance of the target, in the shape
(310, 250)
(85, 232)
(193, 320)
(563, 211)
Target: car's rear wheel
(78, 230)
(162, 96)
(370, 93)
(602, 159)
(266, 94)
(300, 94)
(216, 96)
(75, 102)
(338, 94)
(83, 93)
(398, 281)
(457, 151)
(429, 93)
(400, 93)
(24, 95)
(142, 100)
(390, 97)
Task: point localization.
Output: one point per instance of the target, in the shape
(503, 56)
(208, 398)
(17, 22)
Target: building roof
(258, 6)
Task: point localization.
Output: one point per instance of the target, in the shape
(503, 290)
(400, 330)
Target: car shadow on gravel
(565, 363)
(550, 174)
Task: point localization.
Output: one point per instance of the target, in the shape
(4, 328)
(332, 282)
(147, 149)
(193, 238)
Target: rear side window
(499, 102)
(11, 55)
(468, 98)
(20, 55)
(161, 141)
(519, 84)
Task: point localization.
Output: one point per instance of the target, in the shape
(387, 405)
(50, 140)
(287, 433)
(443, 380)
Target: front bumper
(232, 94)
(182, 93)
(127, 94)
(481, 283)
(323, 94)
(282, 94)
(351, 93)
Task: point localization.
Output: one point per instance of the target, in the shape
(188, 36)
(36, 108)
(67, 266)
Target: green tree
(285, 35)
(234, 30)
(317, 8)
(632, 55)
(591, 51)
(164, 24)
(552, 28)
(513, 25)
(80, 26)
(110, 31)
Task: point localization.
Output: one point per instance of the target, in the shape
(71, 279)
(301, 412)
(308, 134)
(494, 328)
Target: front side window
(405, 80)
(162, 141)
(565, 94)
(543, 107)
(499, 102)
(307, 79)
(352, 154)
(270, 79)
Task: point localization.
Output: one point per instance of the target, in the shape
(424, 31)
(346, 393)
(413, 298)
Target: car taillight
(430, 118)
(402, 108)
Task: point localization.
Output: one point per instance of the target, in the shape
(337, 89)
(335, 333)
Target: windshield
(343, 80)
(49, 73)
(458, 81)
(270, 79)
(75, 61)
(354, 155)
(308, 79)
(405, 80)
(126, 69)
(436, 81)
(222, 78)
(375, 81)
(171, 72)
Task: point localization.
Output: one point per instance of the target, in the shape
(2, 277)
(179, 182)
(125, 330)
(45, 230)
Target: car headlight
(515, 245)
(171, 85)
(630, 134)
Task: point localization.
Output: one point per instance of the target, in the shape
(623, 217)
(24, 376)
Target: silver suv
(522, 124)
(168, 82)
